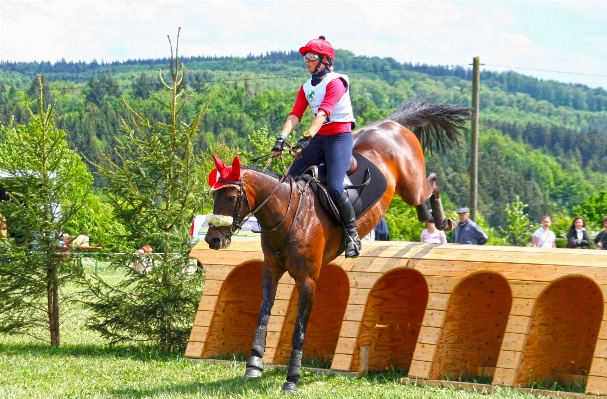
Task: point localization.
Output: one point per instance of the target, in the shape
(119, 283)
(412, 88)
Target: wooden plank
(601, 348)
(215, 272)
(354, 312)
(363, 360)
(527, 289)
(280, 307)
(518, 324)
(598, 367)
(346, 345)
(425, 352)
(510, 271)
(199, 334)
(506, 377)
(509, 359)
(284, 291)
(212, 287)
(420, 369)
(596, 385)
(233, 258)
(379, 265)
(434, 318)
(203, 318)
(429, 335)
(437, 301)
(515, 255)
(603, 329)
(276, 323)
(208, 302)
(522, 306)
(350, 329)
(363, 279)
(194, 350)
(513, 342)
(358, 296)
(272, 339)
(441, 285)
(341, 362)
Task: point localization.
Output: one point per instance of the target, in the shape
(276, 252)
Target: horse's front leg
(306, 289)
(269, 277)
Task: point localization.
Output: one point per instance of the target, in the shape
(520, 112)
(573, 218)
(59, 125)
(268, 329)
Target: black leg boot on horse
(348, 218)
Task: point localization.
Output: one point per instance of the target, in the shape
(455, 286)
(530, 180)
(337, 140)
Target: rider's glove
(302, 143)
(279, 145)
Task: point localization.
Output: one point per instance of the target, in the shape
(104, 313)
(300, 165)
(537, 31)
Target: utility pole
(476, 84)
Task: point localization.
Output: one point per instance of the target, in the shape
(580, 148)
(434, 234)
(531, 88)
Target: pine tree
(154, 190)
(45, 185)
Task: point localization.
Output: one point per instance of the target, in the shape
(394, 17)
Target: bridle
(236, 226)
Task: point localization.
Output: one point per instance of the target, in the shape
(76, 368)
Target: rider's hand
(301, 144)
(279, 146)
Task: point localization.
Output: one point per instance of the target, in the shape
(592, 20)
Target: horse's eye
(232, 198)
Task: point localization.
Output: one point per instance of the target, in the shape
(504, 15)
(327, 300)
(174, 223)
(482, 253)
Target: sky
(552, 40)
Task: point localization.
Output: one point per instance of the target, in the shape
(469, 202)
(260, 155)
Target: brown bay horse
(299, 237)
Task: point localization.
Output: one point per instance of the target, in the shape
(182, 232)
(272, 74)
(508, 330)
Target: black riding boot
(348, 218)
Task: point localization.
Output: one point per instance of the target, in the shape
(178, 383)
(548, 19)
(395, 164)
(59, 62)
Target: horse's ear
(218, 163)
(236, 167)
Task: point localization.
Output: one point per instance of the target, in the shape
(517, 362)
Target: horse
(298, 236)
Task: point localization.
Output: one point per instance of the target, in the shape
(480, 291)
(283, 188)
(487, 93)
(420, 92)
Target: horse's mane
(436, 126)
(263, 172)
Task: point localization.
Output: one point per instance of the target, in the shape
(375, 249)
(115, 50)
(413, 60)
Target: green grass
(85, 366)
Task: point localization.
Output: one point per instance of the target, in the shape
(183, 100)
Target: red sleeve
(335, 90)
(300, 104)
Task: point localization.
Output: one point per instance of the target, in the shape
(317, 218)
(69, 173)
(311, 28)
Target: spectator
(381, 231)
(432, 235)
(577, 237)
(466, 231)
(601, 239)
(544, 237)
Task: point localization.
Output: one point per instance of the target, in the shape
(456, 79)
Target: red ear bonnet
(225, 176)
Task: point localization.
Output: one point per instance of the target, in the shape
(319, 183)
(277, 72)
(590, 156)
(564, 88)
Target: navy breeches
(335, 152)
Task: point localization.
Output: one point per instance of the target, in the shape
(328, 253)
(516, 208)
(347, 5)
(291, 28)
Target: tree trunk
(53, 303)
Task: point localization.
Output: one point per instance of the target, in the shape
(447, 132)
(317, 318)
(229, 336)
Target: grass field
(85, 366)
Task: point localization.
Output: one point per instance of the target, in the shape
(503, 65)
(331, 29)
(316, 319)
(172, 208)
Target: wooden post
(363, 361)
(476, 77)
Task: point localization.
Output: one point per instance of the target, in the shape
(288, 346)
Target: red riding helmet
(318, 46)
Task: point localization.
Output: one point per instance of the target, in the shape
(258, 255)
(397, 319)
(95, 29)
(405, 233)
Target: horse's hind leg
(440, 221)
(270, 279)
(423, 214)
(306, 299)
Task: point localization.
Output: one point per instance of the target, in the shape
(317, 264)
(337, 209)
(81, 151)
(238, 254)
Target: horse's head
(230, 203)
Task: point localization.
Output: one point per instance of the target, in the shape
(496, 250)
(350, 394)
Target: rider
(329, 138)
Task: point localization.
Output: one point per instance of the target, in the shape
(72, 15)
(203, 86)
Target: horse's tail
(436, 126)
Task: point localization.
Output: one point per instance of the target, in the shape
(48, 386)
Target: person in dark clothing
(601, 239)
(466, 231)
(381, 231)
(577, 237)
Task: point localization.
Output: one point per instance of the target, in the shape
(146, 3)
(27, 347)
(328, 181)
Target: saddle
(364, 184)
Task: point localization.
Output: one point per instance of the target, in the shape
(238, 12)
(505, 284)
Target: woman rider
(329, 138)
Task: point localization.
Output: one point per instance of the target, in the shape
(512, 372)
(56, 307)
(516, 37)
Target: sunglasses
(311, 57)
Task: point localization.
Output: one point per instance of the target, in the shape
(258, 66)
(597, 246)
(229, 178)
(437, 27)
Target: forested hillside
(541, 140)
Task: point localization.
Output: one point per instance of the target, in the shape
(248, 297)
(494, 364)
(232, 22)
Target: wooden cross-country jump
(447, 311)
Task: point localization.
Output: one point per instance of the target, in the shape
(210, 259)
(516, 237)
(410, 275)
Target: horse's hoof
(450, 224)
(289, 387)
(252, 374)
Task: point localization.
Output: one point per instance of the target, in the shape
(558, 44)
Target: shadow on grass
(269, 384)
(99, 351)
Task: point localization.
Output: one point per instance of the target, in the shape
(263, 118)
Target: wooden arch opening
(474, 328)
(235, 317)
(324, 325)
(563, 333)
(392, 320)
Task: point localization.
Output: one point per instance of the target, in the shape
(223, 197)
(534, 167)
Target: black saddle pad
(365, 186)
(365, 197)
